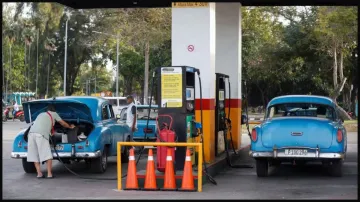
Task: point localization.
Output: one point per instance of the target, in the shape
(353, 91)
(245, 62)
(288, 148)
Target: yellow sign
(189, 4)
(171, 87)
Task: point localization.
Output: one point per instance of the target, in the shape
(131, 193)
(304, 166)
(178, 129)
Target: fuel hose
(228, 128)
(209, 177)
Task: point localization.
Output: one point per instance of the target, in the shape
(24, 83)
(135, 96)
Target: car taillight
(20, 144)
(253, 135)
(339, 136)
(25, 147)
(87, 143)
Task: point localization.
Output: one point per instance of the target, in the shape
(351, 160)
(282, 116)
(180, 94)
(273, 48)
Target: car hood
(67, 109)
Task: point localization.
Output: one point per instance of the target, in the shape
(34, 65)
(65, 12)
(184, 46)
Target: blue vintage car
(142, 118)
(93, 139)
(299, 128)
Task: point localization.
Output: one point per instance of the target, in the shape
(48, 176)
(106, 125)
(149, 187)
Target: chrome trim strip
(314, 155)
(20, 155)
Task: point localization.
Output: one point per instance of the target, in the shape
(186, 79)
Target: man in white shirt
(131, 113)
(16, 109)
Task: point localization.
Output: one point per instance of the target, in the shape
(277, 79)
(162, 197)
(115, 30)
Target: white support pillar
(228, 44)
(193, 44)
(228, 59)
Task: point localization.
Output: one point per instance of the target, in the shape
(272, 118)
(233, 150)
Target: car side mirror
(243, 119)
(341, 120)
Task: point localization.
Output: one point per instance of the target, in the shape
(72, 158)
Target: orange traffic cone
(169, 179)
(188, 178)
(150, 178)
(131, 179)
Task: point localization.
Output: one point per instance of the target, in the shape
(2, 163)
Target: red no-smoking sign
(190, 48)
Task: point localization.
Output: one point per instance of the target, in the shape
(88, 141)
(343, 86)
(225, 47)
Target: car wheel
(99, 165)
(22, 118)
(125, 154)
(28, 167)
(336, 168)
(262, 167)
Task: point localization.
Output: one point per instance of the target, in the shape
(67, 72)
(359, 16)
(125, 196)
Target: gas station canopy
(76, 4)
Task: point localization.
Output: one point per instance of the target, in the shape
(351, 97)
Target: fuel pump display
(220, 115)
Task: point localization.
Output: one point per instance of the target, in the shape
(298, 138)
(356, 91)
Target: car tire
(28, 167)
(22, 118)
(336, 168)
(125, 154)
(262, 167)
(99, 165)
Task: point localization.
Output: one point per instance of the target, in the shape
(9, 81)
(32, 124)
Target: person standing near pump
(38, 139)
(15, 109)
(131, 113)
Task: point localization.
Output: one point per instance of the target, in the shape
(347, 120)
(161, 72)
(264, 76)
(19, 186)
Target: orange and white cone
(150, 178)
(169, 179)
(188, 178)
(131, 179)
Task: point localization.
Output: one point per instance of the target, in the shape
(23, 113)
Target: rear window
(122, 102)
(142, 113)
(112, 102)
(301, 110)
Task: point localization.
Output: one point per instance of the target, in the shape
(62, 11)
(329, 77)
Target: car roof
(152, 106)
(114, 97)
(301, 99)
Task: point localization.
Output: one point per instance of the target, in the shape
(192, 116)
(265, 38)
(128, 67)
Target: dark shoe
(39, 177)
(51, 177)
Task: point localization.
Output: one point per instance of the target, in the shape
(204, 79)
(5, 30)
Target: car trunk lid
(297, 132)
(67, 109)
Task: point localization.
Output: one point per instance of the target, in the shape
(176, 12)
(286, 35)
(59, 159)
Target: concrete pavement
(286, 181)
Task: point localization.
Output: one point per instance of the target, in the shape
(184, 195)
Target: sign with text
(171, 87)
(190, 4)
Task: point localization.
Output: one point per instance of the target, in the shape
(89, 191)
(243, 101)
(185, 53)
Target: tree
(149, 27)
(337, 31)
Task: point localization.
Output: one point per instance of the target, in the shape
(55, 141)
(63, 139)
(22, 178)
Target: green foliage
(285, 50)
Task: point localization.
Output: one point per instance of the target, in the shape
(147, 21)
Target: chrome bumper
(313, 153)
(20, 155)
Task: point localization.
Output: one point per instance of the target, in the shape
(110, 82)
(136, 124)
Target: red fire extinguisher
(166, 134)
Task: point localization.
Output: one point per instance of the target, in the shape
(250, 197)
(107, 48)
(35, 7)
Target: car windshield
(142, 113)
(112, 102)
(301, 110)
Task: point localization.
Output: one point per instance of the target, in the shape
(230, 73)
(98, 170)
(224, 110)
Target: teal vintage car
(93, 140)
(142, 120)
(298, 129)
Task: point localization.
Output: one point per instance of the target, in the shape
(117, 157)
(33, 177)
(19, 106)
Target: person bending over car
(38, 140)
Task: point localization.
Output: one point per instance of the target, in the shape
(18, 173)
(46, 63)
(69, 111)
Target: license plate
(59, 147)
(296, 152)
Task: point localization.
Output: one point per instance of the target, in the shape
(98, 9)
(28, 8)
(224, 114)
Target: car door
(110, 122)
(123, 115)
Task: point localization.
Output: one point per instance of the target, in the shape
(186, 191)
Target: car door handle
(296, 133)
